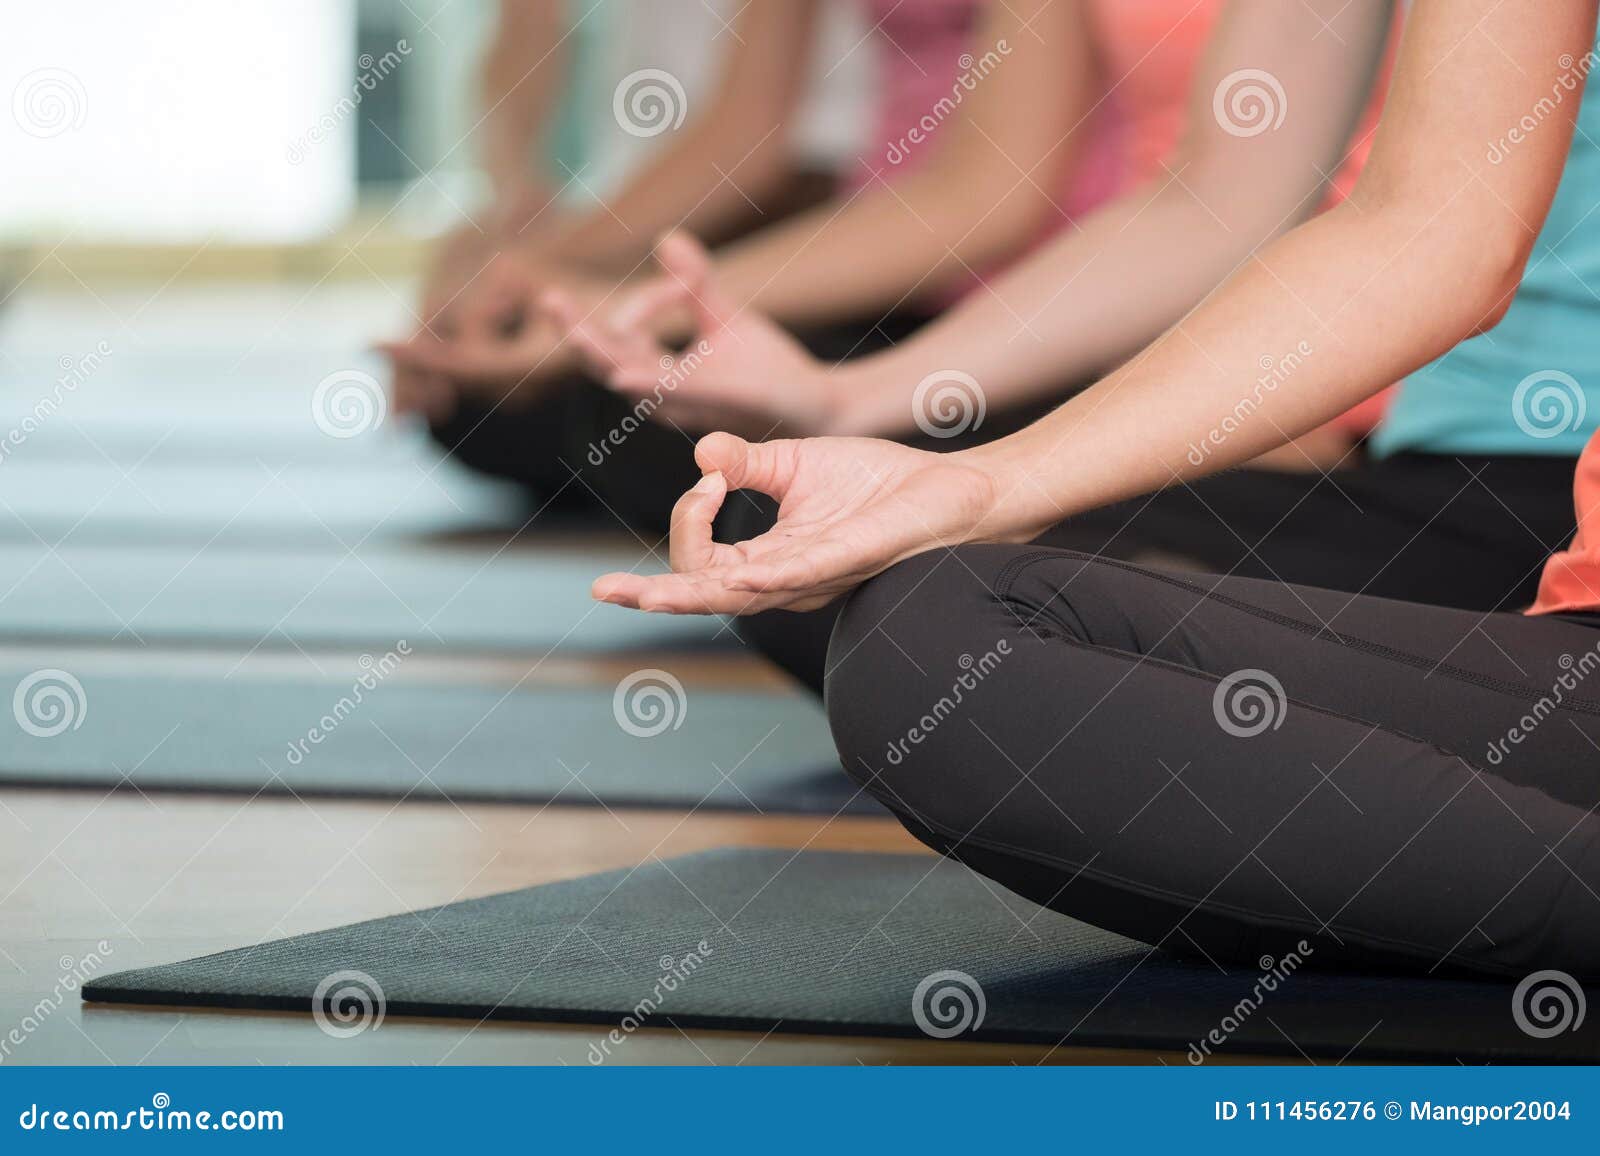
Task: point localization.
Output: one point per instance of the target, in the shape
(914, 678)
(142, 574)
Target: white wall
(175, 120)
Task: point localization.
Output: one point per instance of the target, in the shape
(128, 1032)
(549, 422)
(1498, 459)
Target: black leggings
(1227, 766)
(559, 449)
(1466, 532)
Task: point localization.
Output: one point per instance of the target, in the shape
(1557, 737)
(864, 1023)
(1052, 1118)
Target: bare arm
(523, 75)
(984, 192)
(1428, 253)
(736, 152)
(1097, 294)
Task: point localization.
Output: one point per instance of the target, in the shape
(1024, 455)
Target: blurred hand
(849, 508)
(492, 341)
(739, 372)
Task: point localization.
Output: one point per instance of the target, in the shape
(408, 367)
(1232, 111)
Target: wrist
(847, 392)
(1021, 507)
(870, 398)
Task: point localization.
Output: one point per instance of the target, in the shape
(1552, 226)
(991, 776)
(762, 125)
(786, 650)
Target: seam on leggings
(1262, 920)
(1014, 568)
(1206, 676)
(1003, 582)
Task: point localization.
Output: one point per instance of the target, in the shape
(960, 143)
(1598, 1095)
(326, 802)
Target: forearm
(882, 247)
(734, 150)
(1316, 322)
(1104, 289)
(1084, 302)
(680, 188)
(523, 77)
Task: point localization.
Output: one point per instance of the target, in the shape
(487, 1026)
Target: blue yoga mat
(648, 741)
(518, 600)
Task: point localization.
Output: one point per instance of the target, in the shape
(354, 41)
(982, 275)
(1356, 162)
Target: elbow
(1497, 268)
(1475, 256)
(1492, 313)
(1469, 244)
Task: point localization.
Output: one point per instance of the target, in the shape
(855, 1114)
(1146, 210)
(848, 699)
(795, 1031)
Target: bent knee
(902, 637)
(913, 604)
(942, 591)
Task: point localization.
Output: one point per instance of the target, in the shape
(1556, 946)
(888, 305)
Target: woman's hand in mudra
(849, 508)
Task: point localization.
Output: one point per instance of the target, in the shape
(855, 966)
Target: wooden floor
(162, 877)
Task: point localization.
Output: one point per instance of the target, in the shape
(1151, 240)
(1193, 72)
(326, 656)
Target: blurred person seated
(579, 102)
(990, 135)
(1125, 268)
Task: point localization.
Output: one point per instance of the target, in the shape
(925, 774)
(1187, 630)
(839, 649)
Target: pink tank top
(928, 59)
(1150, 49)
(1148, 53)
(927, 56)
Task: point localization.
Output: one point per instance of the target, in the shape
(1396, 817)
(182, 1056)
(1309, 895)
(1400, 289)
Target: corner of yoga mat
(845, 944)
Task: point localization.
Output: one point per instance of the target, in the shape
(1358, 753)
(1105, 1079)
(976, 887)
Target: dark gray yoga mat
(842, 944)
(648, 744)
(464, 599)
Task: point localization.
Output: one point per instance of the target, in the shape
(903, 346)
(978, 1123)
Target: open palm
(849, 508)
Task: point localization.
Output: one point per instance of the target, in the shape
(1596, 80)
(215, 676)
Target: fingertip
(607, 588)
(683, 253)
(637, 309)
(675, 241)
(557, 305)
(628, 383)
(400, 354)
(719, 452)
